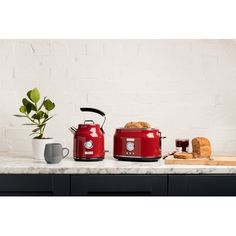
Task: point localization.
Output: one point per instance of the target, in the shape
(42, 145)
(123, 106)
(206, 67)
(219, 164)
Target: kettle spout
(72, 130)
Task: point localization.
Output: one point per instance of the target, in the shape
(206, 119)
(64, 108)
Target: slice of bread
(183, 155)
(139, 124)
(144, 124)
(132, 124)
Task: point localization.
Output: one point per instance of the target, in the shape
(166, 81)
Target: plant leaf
(25, 101)
(42, 103)
(28, 94)
(35, 130)
(34, 95)
(39, 137)
(34, 116)
(19, 115)
(29, 124)
(41, 114)
(38, 115)
(30, 105)
(44, 122)
(48, 104)
(22, 109)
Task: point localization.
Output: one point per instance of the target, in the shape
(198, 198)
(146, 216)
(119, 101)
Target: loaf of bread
(183, 155)
(201, 147)
(139, 124)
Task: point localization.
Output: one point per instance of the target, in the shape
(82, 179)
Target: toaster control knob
(88, 144)
(130, 146)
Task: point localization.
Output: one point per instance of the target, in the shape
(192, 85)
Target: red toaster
(137, 144)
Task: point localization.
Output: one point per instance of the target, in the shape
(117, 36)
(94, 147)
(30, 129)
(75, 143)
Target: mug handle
(66, 153)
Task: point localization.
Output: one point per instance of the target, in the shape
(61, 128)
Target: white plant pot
(39, 146)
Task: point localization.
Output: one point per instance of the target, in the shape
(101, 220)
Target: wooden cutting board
(214, 161)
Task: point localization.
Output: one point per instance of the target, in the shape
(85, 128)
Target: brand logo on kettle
(88, 153)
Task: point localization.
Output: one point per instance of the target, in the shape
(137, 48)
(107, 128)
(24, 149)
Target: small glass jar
(182, 145)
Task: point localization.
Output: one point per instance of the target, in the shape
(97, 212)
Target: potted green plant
(38, 115)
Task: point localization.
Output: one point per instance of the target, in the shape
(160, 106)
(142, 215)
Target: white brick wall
(185, 88)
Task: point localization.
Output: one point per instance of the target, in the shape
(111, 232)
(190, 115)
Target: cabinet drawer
(34, 185)
(202, 185)
(118, 185)
(26, 184)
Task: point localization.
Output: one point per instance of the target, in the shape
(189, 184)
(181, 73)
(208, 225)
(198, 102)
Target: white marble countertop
(28, 165)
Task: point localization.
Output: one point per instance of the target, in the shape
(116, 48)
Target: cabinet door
(34, 185)
(118, 185)
(202, 185)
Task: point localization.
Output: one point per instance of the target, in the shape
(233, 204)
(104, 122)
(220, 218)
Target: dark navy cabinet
(202, 185)
(116, 185)
(119, 185)
(34, 185)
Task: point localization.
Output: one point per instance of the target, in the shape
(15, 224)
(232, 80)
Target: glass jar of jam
(182, 145)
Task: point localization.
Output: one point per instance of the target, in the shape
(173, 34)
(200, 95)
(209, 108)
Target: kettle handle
(90, 109)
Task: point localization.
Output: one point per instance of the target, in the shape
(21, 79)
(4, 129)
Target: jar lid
(182, 139)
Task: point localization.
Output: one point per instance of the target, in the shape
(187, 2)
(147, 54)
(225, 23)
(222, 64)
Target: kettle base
(88, 159)
(138, 159)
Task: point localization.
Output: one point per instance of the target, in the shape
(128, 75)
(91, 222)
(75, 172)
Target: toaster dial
(88, 144)
(130, 146)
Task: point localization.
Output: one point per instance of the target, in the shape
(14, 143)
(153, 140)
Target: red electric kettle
(89, 139)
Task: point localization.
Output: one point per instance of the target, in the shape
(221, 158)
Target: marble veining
(28, 165)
